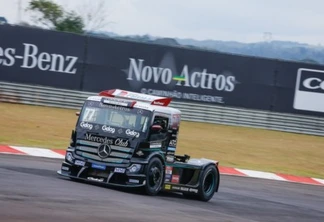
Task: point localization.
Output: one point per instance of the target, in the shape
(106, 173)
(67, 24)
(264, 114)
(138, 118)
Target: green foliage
(54, 16)
(50, 12)
(72, 23)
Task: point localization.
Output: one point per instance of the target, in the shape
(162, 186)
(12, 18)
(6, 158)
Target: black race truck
(129, 139)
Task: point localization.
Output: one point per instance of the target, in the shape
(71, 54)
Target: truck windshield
(115, 116)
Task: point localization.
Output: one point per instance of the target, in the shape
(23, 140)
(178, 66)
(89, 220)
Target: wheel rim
(209, 183)
(154, 176)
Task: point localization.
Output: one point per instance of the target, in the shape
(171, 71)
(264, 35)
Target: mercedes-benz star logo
(104, 151)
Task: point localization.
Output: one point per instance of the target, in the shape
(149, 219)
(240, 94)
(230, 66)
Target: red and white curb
(59, 154)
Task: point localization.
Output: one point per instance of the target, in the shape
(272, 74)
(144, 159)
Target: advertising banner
(41, 57)
(70, 61)
(299, 88)
(186, 75)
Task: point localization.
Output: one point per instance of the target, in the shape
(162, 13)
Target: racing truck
(129, 139)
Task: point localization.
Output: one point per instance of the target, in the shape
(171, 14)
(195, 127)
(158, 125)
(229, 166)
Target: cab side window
(160, 135)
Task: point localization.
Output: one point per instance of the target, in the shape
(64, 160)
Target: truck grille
(89, 150)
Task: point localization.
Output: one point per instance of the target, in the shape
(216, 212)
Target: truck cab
(123, 138)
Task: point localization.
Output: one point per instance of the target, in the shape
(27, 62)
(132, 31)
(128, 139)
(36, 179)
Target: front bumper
(108, 175)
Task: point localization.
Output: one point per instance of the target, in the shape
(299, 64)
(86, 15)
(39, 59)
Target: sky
(228, 20)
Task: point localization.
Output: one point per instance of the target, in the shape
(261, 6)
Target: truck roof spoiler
(124, 94)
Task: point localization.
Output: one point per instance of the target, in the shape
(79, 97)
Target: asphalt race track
(30, 190)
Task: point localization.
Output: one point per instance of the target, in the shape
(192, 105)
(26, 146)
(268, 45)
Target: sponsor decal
(184, 189)
(86, 125)
(97, 139)
(139, 153)
(133, 133)
(121, 142)
(167, 187)
(158, 103)
(108, 129)
(142, 106)
(173, 143)
(155, 145)
(176, 188)
(121, 108)
(95, 179)
(65, 168)
(79, 163)
(170, 158)
(98, 166)
(97, 127)
(167, 178)
(193, 190)
(120, 131)
(133, 96)
(168, 170)
(119, 170)
(133, 181)
(309, 90)
(171, 148)
(33, 58)
(175, 179)
(115, 102)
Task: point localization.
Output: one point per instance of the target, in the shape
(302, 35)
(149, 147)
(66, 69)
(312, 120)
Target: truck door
(161, 136)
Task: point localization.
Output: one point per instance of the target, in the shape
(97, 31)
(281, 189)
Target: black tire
(154, 176)
(208, 181)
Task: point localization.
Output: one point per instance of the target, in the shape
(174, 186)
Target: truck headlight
(69, 157)
(134, 168)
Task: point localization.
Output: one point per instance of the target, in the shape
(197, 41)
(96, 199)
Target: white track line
(319, 180)
(259, 174)
(38, 152)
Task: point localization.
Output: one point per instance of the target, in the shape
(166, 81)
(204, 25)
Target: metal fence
(205, 113)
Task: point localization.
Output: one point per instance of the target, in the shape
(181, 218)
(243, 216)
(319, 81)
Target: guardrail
(205, 113)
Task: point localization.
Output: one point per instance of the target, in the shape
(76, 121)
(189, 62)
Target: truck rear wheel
(208, 183)
(154, 176)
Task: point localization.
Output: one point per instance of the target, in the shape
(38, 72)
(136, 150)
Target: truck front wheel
(154, 176)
